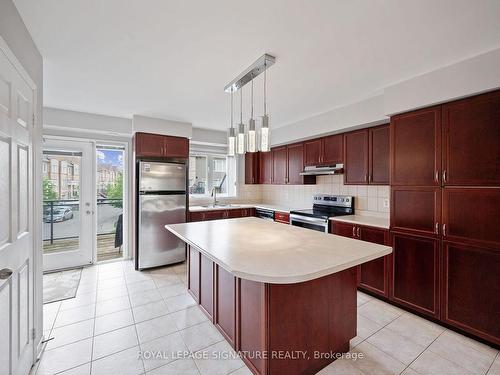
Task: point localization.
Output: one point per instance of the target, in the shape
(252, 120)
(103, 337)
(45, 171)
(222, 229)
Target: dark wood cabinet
(471, 291)
(416, 209)
(279, 160)
(416, 148)
(194, 273)
(221, 214)
(356, 157)
(324, 151)
(295, 164)
(225, 308)
(252, 168)
(157, 145)
(471, 141)
(343, 229)
(379, 142)
(415, 273)
(373, 275)
(265, 168)
(206, 286)
(472, 215)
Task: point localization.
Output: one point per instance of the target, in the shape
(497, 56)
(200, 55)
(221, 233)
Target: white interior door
(16, 220)
(68, 203)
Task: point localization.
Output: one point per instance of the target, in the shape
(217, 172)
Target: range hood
(318, 170)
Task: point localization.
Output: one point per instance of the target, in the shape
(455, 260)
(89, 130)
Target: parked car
(59, 214)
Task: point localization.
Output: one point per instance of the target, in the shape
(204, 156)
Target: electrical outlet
(386, 203)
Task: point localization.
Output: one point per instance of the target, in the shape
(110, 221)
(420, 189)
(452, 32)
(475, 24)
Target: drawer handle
(444, 229)
(436, 228)
(353, 232)
(358, 232)
(444, 176)
(436, 176)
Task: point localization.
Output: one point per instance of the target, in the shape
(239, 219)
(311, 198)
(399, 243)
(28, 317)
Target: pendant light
(264, 131)
(231, 140)
(252, 136)
(240, 149)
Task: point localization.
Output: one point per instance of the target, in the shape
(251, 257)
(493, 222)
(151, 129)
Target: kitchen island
(283, 296)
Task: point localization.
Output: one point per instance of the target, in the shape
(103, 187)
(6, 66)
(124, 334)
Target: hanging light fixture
(231, 140)
(241, 130)
(264, 130)
(252, 135)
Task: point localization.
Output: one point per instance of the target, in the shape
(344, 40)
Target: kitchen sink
(220, 205)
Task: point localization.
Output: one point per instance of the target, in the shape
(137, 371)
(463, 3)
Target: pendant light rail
(259, 66)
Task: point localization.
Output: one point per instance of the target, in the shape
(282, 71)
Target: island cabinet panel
(416, 209)
(252, 323)
(373, 275)
(225, 304)
(356, 157)
(252, 168)
(194, 273)
(279, 157)
(471, 291)
(416, 148)
(206, 286)
(472, 215)
(379, 155)
(415, 273)
(471, 141)
(265, 168)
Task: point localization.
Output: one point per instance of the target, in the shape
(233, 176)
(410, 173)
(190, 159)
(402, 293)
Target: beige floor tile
(114, 341)
(166, 280)
(75, 315)
(395, 345)
(126, 362)
(366, 327)
(150, 311)
(65, 357)
(188, 317)
(168, 346)
(116, 320)
(341, 367)
(110, 283)
(154, 328)
(178, 367)
(431, 364)
(134, 277)
(363, 298)
(242, 371)
(200, 336)
(464, 355)
(375, 361)
(80, 300)
(118, 291)
(80, 370)
(71, 333)
(379, 312)
(479, 346)
(143, 298)
(180, 302)
(221, 360)
(141, 286)
(112, 305)
(495, 367)
(417, 329)
(409, 371)
(172, 290)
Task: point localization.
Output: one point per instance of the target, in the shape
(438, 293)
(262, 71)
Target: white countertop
(236, 206)
(266, 251)
(371, 221)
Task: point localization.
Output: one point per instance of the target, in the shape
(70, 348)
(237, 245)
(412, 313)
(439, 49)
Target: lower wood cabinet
(207, 286)
(225, 304)
(194, 273)
(221, 214)
(372, 276)
(471, 289)
(415, 273)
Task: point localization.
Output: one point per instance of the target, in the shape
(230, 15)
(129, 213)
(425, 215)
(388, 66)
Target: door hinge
(33, 333)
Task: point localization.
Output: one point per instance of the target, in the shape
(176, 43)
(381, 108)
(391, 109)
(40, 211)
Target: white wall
(16, 35)
(161, 126)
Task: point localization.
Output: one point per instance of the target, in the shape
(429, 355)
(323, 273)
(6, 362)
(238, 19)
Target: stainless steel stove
(324, 207)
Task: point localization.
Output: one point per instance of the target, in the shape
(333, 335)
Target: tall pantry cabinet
(445, 213)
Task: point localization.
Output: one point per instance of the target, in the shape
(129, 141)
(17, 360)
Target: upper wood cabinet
(279, 160)
(323, 151)
(379, 142)
(252, 168)
(265, 168)
(356, 157)
(416, 148)
(295, 164)
(157, 145)
(471, 141)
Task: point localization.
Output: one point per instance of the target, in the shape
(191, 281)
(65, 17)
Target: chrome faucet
(214, 194)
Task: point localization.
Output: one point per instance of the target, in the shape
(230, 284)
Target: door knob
(5, 273)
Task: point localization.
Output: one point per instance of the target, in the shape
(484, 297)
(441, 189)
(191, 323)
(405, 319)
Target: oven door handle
(309, 220)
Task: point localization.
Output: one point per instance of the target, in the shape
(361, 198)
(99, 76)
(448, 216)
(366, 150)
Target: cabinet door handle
(358, 232)
(353, 232)
(444, 176)
(436, 176)
(436, 228)
(444, 230)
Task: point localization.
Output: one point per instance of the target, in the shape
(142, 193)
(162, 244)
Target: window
(208, 171)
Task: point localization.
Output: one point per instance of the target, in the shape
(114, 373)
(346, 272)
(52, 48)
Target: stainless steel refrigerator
(162, 200)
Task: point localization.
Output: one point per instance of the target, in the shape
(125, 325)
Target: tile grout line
(492, 363)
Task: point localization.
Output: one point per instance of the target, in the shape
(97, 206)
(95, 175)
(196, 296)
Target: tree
(49, 192)
(115, 191)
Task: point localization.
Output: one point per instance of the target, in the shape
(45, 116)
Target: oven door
(320, 225)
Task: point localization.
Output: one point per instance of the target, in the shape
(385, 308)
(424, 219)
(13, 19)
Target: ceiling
(171, 59)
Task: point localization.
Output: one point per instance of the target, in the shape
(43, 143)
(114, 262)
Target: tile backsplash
(369, 200)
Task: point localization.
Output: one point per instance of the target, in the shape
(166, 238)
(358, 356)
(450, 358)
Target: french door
(68, 203)
(17, 103)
